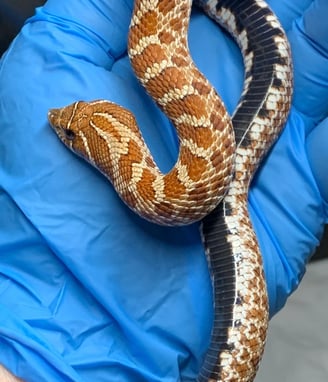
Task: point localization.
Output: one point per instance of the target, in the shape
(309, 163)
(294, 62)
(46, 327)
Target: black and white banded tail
(239, 289)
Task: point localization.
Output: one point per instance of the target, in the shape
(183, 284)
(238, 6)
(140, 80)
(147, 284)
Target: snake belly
(239, 288)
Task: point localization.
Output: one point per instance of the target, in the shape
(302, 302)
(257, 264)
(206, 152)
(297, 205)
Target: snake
(218, 156)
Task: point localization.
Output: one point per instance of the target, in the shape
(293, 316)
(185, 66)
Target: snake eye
(70, 135)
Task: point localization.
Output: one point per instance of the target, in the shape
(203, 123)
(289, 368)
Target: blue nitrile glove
(89, 291)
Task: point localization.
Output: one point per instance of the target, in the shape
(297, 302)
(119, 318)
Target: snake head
(74, 125)
(69, 123)
(89, 129)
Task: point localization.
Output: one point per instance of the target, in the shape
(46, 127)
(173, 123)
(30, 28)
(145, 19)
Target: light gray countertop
(297, 346)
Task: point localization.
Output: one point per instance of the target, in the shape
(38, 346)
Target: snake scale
(217, 158)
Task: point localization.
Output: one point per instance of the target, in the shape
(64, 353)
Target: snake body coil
(209, 164)
(159, 54)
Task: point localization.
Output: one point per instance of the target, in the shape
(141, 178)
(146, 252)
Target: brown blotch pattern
(169, 76)
(166, 37)
(203, 137)
(152, 53)
(172, 185)
(191, 104)
(125, 160)
(145, 186)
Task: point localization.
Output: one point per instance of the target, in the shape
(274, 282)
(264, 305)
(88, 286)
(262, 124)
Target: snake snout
(54, 117)
(58, 123)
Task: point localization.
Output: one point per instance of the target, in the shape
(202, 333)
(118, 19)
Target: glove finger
(97, 24)
(316, 146)
(309, 41)
(287, 11)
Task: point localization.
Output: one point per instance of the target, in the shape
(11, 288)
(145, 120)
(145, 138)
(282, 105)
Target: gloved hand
(89, 291)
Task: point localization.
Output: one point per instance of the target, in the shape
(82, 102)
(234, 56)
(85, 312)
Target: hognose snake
(215, 161)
